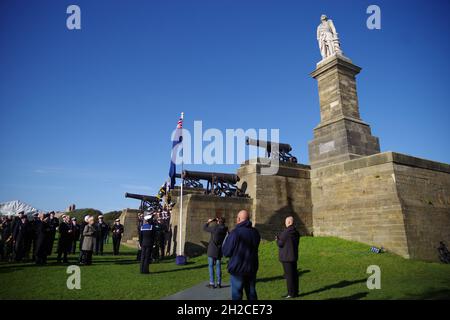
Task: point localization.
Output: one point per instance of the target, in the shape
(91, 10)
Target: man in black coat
(21, 236)
(218, 234)
(117, 231)
(65, 238)
(288, 242)
(43, 237)
(53, 222)
(76, 235)
(102, 231)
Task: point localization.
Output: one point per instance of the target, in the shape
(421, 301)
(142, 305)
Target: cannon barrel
(141, 197)
(282, 147)
(200, 175)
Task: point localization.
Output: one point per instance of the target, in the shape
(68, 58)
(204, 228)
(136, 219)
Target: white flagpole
(181, 191)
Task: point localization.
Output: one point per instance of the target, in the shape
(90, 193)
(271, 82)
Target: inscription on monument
(326, 147)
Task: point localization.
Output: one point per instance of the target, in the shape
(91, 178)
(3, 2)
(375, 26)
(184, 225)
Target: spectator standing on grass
(76, 234)
(21, 234)
(117, 231)
(65, 239)
(102, 232)
(43, 237)
(288, 242)
(241, 246)
(89, 239)
(147, 241)
(53, 223)
(83, 224)
(218, 234)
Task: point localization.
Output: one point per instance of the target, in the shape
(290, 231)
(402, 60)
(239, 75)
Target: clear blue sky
(87, 115)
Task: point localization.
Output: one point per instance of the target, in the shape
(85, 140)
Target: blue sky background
(87, 115)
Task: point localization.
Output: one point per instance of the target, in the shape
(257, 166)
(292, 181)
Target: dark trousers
(63, 250)
(74, 246)
(146, 256)
(241, 283)
(86, 257)
(291, 275)
(99, 246)
(116, 244)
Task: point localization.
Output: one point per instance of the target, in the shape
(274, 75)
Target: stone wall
(197, 209)
(277, 196)
(390, 200)
(424, 190)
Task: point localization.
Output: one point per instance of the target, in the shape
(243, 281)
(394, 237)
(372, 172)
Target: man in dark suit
(288, 242)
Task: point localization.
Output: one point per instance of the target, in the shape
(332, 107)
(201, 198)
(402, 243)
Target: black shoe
(219, 286)
(211, 286)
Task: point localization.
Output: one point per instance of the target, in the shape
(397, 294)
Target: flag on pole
(176, 143)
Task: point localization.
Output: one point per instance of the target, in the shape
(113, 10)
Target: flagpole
(181, 192)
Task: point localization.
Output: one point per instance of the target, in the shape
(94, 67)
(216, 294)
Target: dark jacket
(102, 230)
(288, 242)
(117, 230)
(218, 234)
(43, 238)
(147, 235)
(242, 246)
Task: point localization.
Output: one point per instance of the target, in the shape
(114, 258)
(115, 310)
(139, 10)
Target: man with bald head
(241, 246)
(287, 243)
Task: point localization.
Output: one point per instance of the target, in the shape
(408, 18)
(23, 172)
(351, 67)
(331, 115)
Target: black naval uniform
(53, 223)
(117, 231)
(75, 237)
(43, 238)
(102, 231)
(148, 238)
(65, 240)
(21, 235)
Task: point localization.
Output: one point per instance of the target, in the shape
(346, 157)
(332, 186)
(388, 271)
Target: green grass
(330, 268)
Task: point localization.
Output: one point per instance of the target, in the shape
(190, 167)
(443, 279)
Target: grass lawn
(330, 268)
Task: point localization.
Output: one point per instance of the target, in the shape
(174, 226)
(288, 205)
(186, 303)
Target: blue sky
(86, 115)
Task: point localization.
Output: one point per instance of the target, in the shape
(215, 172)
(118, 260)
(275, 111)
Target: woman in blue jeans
(218, 234)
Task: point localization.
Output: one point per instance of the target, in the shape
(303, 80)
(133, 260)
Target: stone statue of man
(328, 38)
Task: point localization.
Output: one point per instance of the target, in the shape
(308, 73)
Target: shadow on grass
(355, 296)
(200, 266)
(338, 285)
(268, 279)
(438, 294)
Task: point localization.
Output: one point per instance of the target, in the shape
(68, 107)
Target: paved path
(202, 292)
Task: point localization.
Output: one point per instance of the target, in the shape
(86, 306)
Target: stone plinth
(129, 220)
(277, 196)
(341, 134)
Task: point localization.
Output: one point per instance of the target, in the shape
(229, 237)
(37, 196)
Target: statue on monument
(328, 38)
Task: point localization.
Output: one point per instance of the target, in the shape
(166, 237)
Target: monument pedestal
(341, 134)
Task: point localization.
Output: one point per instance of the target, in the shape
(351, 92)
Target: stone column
(341, 134)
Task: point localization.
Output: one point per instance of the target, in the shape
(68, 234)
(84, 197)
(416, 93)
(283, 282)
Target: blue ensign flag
(176, 142)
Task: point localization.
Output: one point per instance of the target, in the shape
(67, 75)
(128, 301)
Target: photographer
(218, 234)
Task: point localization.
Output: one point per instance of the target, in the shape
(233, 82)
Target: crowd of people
(24, 240)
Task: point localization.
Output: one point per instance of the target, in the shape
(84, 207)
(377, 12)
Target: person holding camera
(218, 234)
(288, 242)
